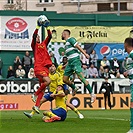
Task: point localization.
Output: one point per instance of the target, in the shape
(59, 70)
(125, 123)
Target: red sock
(40, 95)
(40, 89)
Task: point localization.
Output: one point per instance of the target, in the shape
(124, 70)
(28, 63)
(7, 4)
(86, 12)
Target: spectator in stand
(20, 73)
(31, 74)
(53, 59)
(115, 73)
(17, 62)
(106, 73)
(10, 73)
(94, 58)
(27, 62)
(92, 71)
(115, 64)
(124, 64)
(84, 70)
(1, 65)
(85, 64)
(105, 63)
(101, 72)
(61, 57)
(84, 60)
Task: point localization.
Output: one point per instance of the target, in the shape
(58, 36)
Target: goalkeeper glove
(38, 25)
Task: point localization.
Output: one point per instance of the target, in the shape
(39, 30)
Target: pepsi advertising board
(110, 50)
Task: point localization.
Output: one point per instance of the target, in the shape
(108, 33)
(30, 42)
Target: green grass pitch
(95, 121)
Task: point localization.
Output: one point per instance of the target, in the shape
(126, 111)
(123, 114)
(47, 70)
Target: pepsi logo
(16, 24)
(105, 51)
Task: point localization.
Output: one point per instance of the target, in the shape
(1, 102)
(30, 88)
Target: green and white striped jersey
(71, 51)
(129, 65)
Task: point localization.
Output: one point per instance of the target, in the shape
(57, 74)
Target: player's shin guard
(40, 89)
(131, 120)
(40, 95)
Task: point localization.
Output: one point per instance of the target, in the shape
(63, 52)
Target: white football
(43, 21)
(103, 90)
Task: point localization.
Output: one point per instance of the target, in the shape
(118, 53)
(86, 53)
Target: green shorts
(131, 87)
(73, 66)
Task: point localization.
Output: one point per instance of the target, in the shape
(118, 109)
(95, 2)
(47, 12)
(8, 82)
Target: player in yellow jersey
(60, 112)
(56, 80)
(60, 69)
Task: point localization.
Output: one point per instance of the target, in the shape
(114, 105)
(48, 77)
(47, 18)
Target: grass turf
(95, 121)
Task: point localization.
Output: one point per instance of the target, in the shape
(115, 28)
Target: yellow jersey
(60, 69)
(56, 80)
(60, 102)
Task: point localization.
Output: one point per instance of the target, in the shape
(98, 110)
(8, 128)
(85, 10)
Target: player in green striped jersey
(128, 44)
(74, 64)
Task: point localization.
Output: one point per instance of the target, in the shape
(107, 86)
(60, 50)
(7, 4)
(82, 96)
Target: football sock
(40, 95)
(49, 114)
(89, 88)
(33, 112)
(72, 86)
(131, 120)
(84, 81)
(76, 111)
(40, 89)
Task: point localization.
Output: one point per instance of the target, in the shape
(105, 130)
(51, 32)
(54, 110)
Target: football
(43, 21)
(103, 90)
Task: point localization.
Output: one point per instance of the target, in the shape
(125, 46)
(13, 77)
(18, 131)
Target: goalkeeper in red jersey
(41, 64)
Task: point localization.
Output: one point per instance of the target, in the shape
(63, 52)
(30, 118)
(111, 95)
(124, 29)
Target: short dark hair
(54, 64)
(129, 41)
(64, 57)
(67, 31)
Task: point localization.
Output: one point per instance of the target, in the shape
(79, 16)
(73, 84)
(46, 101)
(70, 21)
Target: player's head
(52, 69)
(65, 34)
(27, 53)
(106, 79)
(104, 58)
(19, 67)
(128, 44)
(64, 60)
(38, 38)
(92, 65)
(59, 88)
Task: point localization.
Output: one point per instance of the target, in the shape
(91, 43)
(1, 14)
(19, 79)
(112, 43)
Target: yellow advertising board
(81, 101)
(93, 34)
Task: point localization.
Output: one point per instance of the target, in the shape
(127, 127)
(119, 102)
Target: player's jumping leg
(81, 77)
(45, 81)
(68, 82)
(131, 110)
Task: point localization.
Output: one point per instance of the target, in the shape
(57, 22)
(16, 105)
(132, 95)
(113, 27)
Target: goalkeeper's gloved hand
(48, 28)
(38, 25)
(46, 24)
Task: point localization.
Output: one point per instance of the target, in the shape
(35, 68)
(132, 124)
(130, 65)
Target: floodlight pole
(118, 8)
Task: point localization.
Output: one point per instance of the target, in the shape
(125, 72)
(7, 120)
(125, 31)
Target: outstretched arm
(34, 38)
(82, 51)
(47, 40)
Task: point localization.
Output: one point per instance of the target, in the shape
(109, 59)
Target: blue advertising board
(110, 50)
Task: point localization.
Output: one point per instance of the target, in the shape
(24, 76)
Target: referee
(107, 87)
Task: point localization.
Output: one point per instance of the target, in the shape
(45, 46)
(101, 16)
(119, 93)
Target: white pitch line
(113, 119)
